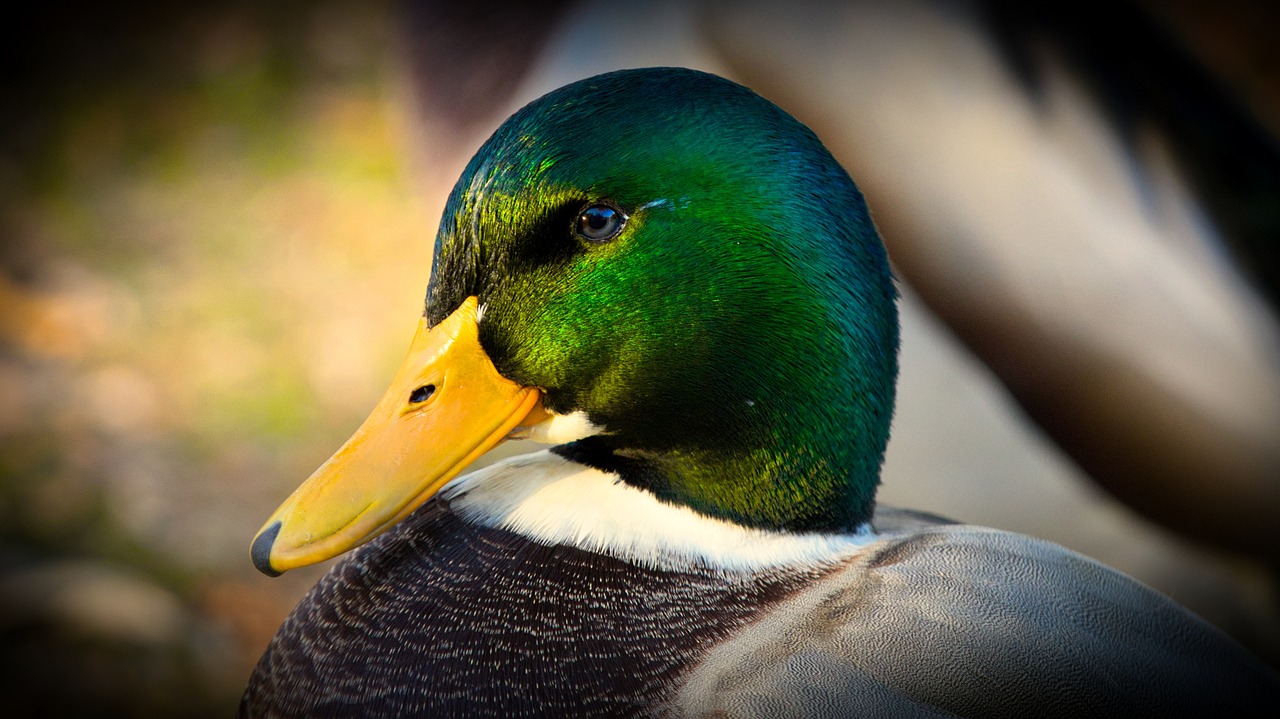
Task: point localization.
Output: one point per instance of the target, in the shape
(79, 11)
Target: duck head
(665, 272)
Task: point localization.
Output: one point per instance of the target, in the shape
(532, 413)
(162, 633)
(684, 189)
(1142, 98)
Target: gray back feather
(966, 621)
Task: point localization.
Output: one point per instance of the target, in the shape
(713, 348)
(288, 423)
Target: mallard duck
(1061, 277)
(670, 280)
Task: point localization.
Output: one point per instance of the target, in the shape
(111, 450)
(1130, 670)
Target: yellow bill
(446, 406)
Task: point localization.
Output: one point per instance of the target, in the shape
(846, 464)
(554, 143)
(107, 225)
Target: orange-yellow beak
(446, 406)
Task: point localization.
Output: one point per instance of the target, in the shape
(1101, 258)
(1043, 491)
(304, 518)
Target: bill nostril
(422, 394)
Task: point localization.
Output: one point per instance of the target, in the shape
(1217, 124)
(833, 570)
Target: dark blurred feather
(1143, 73)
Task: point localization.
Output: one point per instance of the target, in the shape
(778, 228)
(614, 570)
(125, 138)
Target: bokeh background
(213, 253)
(215, 230)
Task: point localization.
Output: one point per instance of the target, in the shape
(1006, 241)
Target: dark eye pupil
(422, 394)
(599, 223)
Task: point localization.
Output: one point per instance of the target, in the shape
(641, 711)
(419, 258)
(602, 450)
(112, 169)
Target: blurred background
(215, 231)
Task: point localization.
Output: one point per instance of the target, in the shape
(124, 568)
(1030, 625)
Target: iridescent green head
(685, 263)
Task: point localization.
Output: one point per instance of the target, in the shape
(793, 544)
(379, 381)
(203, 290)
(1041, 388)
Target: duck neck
(784, 474)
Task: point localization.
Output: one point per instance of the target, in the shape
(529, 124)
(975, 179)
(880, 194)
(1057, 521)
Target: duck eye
(600, 223)
(422, 394)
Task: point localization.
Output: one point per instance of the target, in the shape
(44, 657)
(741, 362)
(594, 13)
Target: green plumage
(753, 261)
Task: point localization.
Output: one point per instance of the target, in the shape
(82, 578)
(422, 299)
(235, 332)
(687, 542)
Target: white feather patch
(552, 500)
(559, 429)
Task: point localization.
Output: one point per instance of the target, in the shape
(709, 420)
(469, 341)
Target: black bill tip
(261, 550)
